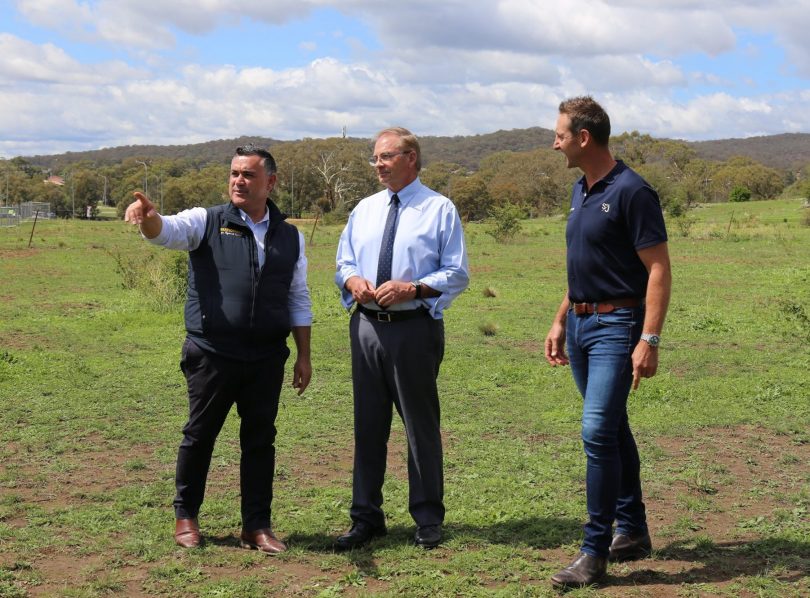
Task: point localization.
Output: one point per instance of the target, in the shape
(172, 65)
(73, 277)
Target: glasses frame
(386, 157)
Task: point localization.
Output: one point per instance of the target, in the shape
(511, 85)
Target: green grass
(93, 402)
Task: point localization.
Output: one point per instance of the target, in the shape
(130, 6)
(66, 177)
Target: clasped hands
(387, 294)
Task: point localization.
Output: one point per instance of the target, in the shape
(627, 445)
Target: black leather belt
(392, 316)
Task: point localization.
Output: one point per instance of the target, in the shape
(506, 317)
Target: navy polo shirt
(607, 225)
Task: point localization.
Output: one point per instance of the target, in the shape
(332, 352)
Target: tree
(471, 197)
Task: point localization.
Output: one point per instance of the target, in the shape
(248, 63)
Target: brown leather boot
(187, 533)
(262, 539)
(630, 548)
(584, 571)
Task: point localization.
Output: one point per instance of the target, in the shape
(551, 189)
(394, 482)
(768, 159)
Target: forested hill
(218, 150)
(787, 151)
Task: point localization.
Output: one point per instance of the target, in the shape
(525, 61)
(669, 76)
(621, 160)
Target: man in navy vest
(247, 290)
(619, 282)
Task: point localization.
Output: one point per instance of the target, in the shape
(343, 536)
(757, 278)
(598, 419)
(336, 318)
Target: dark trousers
(214, 384)
(396, 364)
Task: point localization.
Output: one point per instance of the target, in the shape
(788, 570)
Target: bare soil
(711, 482)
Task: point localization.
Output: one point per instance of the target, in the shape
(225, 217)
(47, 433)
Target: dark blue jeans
(600, 348)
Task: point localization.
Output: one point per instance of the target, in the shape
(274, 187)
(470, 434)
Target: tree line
(328, 177)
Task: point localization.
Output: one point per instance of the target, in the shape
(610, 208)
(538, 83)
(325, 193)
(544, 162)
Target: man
(247, 290)
(619, 283)
(402, 260)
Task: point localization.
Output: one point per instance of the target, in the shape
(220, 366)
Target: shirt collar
(407, 193)
(250, 222)
(608, 179)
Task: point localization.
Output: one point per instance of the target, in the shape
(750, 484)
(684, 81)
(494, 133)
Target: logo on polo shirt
(225, 230)
(606, 207)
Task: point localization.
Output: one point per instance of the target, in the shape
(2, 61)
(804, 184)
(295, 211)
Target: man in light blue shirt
(247, 292)
(402, 260)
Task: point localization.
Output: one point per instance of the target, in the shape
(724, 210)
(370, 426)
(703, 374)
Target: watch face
(652, 339)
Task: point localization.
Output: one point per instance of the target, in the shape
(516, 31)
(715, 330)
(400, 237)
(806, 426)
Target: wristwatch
(417, 284)
(651, 339)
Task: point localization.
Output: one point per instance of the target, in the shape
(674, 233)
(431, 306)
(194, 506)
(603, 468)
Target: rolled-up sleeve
(183, 231)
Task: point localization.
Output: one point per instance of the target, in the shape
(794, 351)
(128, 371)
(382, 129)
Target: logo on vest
(606, 207)
(231, 231)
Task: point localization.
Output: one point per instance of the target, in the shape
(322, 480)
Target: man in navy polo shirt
(619, 282)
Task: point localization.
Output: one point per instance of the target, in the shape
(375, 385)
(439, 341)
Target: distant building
(54, 180)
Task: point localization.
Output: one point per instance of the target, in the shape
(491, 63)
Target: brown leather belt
(604, 307)
(391, 316)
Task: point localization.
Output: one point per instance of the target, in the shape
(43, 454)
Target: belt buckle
(383, 316)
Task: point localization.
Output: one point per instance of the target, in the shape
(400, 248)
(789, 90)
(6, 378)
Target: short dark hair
(267, 158)
(586, 113)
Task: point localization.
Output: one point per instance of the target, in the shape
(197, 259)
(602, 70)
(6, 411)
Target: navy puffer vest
(234, 309)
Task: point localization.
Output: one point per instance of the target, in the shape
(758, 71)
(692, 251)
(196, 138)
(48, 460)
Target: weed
(488, 328)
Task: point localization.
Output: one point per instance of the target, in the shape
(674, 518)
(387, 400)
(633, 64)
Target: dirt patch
(706, 488)
(715, 483)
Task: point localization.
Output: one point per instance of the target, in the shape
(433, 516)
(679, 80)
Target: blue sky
(86, 74)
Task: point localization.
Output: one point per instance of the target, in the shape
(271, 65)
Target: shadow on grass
(725, 561)
(535, 532)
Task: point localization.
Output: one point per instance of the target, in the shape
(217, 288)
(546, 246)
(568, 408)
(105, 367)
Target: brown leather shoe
(187, 533)
(584, 571)
(630, 548)
(264, 540)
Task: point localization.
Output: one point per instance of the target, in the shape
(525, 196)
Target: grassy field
(93, 402)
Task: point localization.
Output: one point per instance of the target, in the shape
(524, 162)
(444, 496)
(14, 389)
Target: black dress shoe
(584, 571)
(360, 534)
(630, 548)
(428, 536)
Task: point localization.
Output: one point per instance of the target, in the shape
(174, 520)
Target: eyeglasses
(387, 157)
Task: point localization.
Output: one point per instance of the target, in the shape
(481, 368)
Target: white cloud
(24, 62)
(451, 67)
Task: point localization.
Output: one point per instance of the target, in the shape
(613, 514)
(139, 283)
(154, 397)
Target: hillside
(789, 151)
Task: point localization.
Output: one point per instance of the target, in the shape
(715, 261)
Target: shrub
(162, 277)
(740, 194)
(504, 223)
(684, 224)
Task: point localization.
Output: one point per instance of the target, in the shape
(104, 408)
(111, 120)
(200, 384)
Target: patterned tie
(387, 247)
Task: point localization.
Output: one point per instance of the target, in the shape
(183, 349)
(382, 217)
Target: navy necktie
(387, 247)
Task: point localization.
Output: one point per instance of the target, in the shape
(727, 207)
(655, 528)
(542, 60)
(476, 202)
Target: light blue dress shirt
(184, 231)
(429, 246)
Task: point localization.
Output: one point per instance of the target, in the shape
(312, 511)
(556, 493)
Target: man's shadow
(723, 562)
(534, 532)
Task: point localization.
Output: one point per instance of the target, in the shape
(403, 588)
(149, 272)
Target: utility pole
(145, 177)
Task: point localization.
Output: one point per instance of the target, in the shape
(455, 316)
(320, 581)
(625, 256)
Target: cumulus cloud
(24, 62)
(441, 68)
